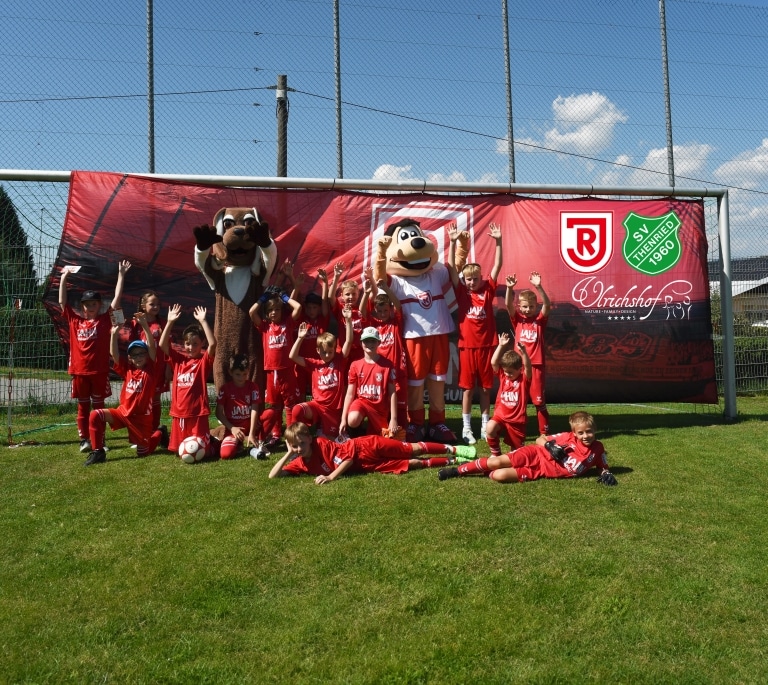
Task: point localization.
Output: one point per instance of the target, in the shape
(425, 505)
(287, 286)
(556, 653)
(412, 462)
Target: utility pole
(667, 100)
(282, 125)
(150, 87)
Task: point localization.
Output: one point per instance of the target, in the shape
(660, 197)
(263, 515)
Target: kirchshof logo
(652, 244)
(586, 240)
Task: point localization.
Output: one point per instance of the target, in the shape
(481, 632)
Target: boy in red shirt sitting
(135, 409)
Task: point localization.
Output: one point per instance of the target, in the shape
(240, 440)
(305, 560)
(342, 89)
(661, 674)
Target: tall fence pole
(667, 100)
(337, 55)
(282, 125)
(150, 87)
(508, 72)
(726, 308)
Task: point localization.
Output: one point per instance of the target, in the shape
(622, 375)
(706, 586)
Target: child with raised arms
(189, 390)
(328, 376)
(328, 459)
(89, 347)
(563, 455)
(135, 409)
(349, 297)
(529, 325)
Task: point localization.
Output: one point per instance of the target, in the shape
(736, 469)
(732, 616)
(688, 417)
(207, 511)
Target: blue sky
(425, 91)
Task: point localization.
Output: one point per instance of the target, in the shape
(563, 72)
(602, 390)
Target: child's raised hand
(494, 230)
(286, 268)
(346, 311)
(123, 267)
(535, 279)
(338, 269)
(368, 273)
(368, 286)
(512, 281)
(504, 338)
(521, 348)
(298, 280)
(453, 231)
(303, 330)
(200, 313)
(174, 313)
(115, 328)
(322, 275)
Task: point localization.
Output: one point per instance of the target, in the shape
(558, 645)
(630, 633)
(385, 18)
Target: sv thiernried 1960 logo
(652, 244)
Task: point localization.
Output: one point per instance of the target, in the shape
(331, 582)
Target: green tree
(18, 279)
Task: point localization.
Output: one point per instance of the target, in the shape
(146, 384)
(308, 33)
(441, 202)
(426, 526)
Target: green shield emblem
(652, 245)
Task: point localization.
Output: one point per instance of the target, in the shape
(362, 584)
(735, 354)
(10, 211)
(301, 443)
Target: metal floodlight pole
(150, 87)
(726, 308)
(667, 100)
(282, 125)
(337, 55)
(508, 71)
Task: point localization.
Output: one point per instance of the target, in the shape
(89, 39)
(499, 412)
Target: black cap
(90, 295)
(313, 298)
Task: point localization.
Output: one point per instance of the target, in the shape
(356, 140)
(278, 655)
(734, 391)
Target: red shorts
(139, 427)
(475, 364)
(281, 387)
(533, 461)
(376, 420)
(186, 427)
(94, 386)
(512, 433)
(428, 356)
(536, 388)
(383, 455)
(327, 419)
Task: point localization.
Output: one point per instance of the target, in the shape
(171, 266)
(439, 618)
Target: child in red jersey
(529, 326)
(89, 346)
(381, 309)
(238, 406)
(328, 459)
(371, 389)
(316, 314)
(350, 294)
(135, 409)
(514, 373)
(328, 376)
(149, 307)
(189, 393)
(477, 333)
(563, 455)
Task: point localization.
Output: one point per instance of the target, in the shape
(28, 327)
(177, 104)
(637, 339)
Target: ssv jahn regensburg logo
(652, 244)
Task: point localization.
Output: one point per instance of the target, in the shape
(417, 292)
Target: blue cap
(140, 344)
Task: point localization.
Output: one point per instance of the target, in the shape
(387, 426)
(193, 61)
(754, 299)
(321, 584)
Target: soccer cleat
(414, 433)
(439, 432)
(85, 445)
(465, 453)
(468, 437)
(164, 439)
(271, 442)
(96, 457)
(445, 474)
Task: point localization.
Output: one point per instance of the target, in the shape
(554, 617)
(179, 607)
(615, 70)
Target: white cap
(370, 333)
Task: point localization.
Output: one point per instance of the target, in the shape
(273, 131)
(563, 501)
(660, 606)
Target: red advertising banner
(630, 317)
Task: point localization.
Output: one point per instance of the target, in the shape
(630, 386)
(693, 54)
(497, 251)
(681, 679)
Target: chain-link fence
(423, 94)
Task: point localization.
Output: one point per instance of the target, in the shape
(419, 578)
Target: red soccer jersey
(530, 331)
(88, 343)
(371, 382)
(391, 332)
(357, 328)
(138, 387)
(277, 340)
(308, 348)
(477, 323)
(580, 457)
(238, 402)
(328, 387)
(326, 457)
(511, 400)
(189, 392)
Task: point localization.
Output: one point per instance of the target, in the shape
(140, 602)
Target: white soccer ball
(192, 449)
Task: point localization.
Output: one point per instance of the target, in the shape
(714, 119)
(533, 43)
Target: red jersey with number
(371, 382)
(189, 390)
(138, 388)
(477, 323)
(238, 402)
(581, 457)
(89, 341)
(511, 400)
(328, 381)
(320, 325)
(529, 330)
(277, 340)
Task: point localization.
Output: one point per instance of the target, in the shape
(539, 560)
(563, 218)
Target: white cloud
(390, 172)
(748, 169)
(454, 177)
(689, 160)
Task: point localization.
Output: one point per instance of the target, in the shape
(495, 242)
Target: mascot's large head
(411, 252)
(242, 232)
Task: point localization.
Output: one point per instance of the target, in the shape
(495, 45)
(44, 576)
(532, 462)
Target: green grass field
(152, 571)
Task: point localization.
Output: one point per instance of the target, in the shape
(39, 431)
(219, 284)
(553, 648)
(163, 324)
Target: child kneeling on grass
(563, 455)
(135, 410)
(328, 459)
